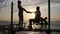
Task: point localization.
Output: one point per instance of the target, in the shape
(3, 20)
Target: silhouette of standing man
(20, 14)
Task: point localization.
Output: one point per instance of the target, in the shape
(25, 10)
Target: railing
(16, 29)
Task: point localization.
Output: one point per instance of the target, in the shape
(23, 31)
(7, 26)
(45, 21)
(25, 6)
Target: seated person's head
(37, 8)
(19, 2)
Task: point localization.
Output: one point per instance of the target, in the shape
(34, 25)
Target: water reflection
(30, 32)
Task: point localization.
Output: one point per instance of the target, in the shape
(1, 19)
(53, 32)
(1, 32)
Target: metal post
(49, 31)
(49, 13)
(11, 17)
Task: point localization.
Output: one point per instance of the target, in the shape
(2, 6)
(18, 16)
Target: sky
(30, 5)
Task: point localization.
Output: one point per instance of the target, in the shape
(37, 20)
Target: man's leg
(19, 24)
(21, 21)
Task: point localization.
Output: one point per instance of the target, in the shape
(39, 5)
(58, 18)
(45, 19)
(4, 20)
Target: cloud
(1, 1)
(4, 3)
(56, 1)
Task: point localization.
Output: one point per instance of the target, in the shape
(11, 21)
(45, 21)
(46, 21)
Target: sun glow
(32, 15)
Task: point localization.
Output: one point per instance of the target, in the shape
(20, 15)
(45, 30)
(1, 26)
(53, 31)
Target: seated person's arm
(33, 12)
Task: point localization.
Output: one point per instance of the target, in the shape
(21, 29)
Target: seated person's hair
(37, 7)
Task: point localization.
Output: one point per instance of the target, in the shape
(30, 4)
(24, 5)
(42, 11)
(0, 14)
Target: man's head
(19, 2)
(37, 8)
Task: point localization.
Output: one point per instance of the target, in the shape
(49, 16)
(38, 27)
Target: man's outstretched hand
(29, 12)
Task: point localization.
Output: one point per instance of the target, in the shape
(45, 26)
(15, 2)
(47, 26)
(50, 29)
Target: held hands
(29, 12)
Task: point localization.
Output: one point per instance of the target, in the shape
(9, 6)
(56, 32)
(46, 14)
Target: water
(54, 25)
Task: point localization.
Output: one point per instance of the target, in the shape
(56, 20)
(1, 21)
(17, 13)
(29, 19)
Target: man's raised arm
(26, 11)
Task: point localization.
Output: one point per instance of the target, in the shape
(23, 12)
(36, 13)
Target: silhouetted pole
(48, 32)
(11, 17)
(49, 13)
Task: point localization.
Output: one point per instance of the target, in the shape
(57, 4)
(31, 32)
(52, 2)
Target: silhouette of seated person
(37, 17)
(20, 14)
